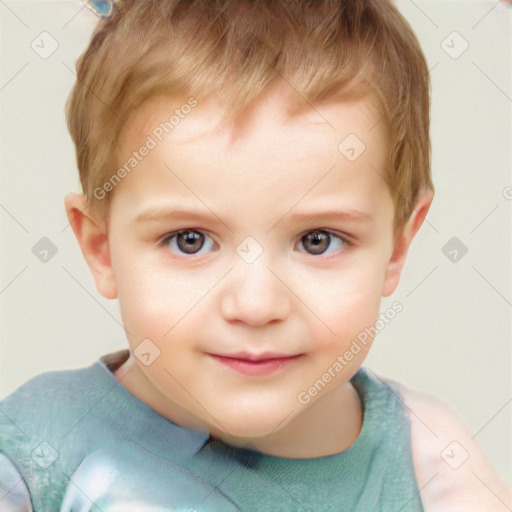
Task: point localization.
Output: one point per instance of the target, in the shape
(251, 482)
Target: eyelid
(349, 239)
(170, 234)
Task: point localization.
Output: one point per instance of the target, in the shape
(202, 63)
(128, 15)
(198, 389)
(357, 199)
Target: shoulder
(51, 386)
(451, 470)
(44, 402)
(35, 421)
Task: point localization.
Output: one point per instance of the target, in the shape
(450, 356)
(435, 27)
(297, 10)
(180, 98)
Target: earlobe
(92, 237)
(403, 242)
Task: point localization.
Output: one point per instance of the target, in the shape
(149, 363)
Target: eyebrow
(332, 213)
(343, 215)
(162, 214)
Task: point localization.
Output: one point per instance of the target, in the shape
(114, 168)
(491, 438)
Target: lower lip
(257, 368)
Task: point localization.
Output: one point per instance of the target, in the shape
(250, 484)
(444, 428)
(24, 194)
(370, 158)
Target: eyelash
(345, 240)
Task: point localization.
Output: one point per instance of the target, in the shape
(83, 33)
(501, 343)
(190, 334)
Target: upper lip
(248, 356)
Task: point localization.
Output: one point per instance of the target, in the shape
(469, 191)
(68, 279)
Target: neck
(327, 427)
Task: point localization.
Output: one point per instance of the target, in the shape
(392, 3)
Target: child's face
(246, 281)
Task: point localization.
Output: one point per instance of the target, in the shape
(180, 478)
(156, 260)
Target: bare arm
(452, 472)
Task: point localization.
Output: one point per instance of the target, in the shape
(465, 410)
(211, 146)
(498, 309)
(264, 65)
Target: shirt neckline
(145, 426)
(190, 442)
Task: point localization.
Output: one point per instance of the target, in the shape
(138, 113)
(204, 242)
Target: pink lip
(256, 364)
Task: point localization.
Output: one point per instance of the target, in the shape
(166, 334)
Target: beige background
(453, 337)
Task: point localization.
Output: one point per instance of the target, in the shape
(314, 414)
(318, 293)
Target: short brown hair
(235, 49)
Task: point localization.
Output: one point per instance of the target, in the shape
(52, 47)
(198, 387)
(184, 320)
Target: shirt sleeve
(14, 495)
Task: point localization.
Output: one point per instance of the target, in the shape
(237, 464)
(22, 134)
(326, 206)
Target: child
(215, 141)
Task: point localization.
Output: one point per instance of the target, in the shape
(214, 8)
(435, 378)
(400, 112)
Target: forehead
(354, 109)
(265, 156)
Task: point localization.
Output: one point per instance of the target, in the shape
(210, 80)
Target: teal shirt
(78, 441)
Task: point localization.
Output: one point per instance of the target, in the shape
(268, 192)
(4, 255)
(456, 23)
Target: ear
(403, 242)
(92, 237)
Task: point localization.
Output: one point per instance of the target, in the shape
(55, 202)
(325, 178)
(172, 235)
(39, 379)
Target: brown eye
(319, 241)
(189, 242)
(316, 242)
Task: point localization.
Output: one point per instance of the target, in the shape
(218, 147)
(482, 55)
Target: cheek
(154, 301)
(150, 309)
(349, 300)
(144, 297)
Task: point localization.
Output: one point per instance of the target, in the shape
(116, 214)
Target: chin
(250, 425)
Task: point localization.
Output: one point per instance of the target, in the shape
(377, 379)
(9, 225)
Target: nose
(254, 295)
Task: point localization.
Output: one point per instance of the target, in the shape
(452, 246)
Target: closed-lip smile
(248, 356)
(249, 363)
